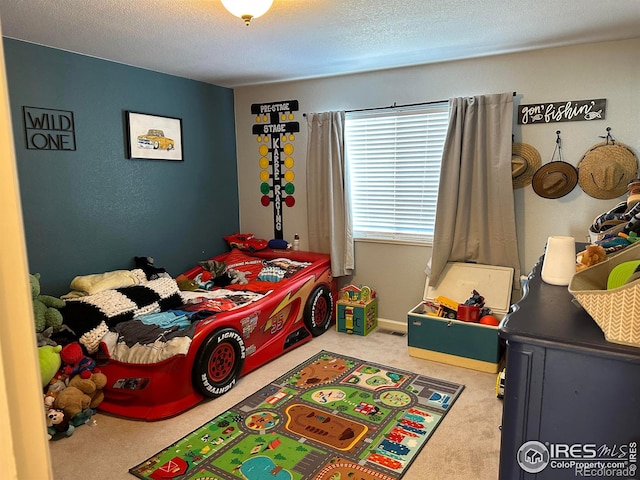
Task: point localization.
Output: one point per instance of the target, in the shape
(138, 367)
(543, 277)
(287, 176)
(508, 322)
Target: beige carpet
(465, 446)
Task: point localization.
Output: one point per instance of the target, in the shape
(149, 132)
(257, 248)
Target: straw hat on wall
(555, 179)
(525, 160)
(606, 169)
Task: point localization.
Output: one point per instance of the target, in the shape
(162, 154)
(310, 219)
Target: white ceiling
(298, 39)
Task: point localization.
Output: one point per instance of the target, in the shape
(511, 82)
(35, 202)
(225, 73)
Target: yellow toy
(500, 383)
(593, 255)
(447, 307)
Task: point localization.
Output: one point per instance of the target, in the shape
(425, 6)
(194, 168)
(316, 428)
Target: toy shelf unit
(357, 310)
(446, 338)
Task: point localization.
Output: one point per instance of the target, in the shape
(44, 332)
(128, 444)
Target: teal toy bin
(455, 342)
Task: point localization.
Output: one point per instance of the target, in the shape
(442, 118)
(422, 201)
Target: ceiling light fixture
(247, 10)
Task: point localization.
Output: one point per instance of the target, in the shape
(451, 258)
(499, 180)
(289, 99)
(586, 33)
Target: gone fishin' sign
(568, 111)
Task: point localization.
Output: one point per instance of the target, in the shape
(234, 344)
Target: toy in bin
(472, 310)
(357, 310)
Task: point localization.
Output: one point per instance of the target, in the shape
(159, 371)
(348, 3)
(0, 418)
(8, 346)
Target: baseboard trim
(392, 325)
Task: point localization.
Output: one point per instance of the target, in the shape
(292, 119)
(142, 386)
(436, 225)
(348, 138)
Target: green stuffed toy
(44, 306)
(50, 362)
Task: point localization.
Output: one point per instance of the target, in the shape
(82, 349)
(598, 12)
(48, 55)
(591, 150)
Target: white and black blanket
(92, 316)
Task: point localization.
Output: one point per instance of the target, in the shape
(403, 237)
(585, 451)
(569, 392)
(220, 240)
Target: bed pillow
(98, 282)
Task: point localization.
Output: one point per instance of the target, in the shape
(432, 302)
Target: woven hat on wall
(606, 169)
(525, 160)
(555, 179)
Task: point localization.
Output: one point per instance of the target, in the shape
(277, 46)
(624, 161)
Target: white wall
(605, 70)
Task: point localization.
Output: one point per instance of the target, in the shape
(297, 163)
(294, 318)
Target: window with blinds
(393, 159)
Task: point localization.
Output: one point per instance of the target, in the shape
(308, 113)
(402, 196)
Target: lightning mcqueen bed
(164, 350)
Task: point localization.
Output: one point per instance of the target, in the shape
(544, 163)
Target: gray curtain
(328, 205)
(475, 219)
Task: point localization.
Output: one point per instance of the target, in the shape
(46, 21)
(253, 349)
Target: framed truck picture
(153, 137)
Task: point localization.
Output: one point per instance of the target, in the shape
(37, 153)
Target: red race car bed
(199, 344)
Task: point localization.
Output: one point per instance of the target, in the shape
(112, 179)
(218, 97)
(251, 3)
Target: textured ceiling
(298, 39)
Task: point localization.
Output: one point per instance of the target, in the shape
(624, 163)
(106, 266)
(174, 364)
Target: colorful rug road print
(332, 417)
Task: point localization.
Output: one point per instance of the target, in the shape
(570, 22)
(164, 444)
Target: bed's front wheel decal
(318, 310)
(218, 363)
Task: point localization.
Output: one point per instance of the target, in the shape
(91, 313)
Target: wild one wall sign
(275, 129)
(567, 111)
(48, 129)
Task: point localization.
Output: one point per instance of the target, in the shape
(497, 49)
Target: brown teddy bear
(91, 386)
(72, 401)
(81, 393)
(591, 256)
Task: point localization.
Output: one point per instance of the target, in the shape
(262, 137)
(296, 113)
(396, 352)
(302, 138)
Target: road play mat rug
(332, 417)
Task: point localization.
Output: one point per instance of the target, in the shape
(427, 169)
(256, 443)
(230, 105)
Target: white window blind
(393, 160)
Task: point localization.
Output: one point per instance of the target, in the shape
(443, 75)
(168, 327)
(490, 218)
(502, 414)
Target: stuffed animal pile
(73, 388)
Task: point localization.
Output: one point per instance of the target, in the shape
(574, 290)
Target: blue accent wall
(92, 210)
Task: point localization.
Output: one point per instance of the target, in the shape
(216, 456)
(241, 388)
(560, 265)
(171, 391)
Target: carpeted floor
(464, 447)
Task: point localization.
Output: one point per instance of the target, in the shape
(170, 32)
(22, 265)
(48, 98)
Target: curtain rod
(396, 106)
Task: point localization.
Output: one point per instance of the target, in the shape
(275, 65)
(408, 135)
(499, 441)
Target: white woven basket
(616, 311)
